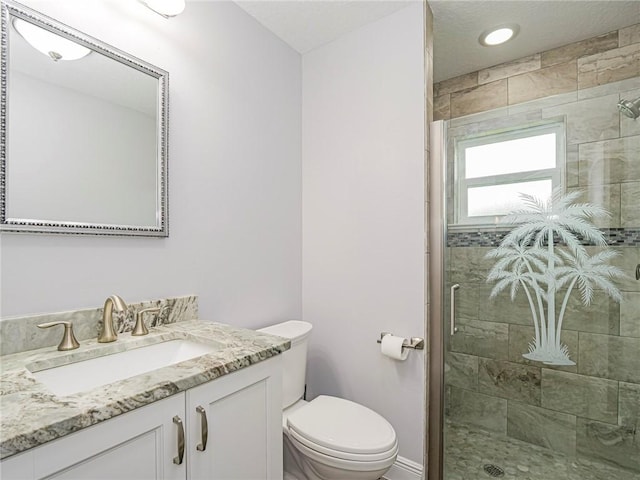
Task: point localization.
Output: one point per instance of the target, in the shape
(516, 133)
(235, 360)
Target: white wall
(234, 176)
(363, 217)
(235, 194)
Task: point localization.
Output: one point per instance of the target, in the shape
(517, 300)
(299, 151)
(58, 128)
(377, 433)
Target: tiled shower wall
(591, 409)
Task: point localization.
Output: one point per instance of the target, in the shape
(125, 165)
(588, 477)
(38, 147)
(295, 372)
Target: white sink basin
(85, 375)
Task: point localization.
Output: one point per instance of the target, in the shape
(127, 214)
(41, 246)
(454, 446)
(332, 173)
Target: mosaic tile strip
(615, 237)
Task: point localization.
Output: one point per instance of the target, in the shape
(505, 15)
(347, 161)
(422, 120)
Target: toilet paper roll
(392, 347)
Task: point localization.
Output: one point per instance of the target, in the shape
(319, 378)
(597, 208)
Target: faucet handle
(69, 341)
(140, 328)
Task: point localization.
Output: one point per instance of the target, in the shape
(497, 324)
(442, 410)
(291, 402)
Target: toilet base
(291, 467)
(299, 467)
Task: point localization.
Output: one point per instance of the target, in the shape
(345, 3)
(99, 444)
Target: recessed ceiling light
(498, 35)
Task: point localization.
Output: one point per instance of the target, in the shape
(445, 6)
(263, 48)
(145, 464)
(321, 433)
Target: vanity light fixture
(166, 8)
(49, 43)
(498, 35)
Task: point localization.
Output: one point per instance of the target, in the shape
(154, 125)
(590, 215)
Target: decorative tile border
(615, 237)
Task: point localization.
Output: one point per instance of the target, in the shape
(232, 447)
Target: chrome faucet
(108, 333)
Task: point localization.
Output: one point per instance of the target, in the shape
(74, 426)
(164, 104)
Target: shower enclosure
(535, 289)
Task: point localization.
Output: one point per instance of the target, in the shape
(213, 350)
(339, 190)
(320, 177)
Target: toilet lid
(343, 426)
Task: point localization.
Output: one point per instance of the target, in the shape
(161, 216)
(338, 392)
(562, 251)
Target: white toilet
(328, 438)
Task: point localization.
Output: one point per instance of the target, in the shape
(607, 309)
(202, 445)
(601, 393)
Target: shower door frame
(434, 451)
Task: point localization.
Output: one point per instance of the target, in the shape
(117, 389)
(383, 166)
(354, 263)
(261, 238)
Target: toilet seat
(345, 464)
(298, 440)
(342, 430)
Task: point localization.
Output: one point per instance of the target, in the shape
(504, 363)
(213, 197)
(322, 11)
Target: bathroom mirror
(84, 133)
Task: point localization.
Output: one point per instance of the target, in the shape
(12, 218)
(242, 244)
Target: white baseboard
(404, 469)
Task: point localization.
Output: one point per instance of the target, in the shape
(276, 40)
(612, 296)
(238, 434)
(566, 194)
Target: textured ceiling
(307, 24)
(543, 25)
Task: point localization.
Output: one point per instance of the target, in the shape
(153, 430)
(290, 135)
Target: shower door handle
(454, 287)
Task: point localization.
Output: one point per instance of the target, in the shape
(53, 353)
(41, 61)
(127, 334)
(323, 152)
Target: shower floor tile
(469, 449)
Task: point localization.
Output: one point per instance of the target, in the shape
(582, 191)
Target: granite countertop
(31, 415)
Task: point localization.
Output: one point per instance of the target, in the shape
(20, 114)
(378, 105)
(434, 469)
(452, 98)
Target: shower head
(630, 109)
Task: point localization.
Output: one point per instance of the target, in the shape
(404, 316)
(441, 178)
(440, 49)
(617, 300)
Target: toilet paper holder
(415, 343)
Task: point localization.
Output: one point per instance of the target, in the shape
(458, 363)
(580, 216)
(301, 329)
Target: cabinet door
(17, 467)
(137, 445)
(244, 419)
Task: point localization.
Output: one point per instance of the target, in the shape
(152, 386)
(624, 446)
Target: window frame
(462, 184)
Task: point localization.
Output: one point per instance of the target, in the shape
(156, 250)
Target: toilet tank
(294, 359)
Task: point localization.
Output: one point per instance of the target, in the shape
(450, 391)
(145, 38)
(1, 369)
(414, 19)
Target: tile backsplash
(18, 334)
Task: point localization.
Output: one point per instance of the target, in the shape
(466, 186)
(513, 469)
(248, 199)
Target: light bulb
(498, 35)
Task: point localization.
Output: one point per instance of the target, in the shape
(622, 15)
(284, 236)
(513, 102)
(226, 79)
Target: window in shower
(492, 170)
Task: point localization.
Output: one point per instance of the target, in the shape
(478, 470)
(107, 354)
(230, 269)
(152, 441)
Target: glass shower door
(540, 322)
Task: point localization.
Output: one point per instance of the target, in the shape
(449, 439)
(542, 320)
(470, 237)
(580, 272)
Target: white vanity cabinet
(243, 415)
(137, 445)
(243, 437)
